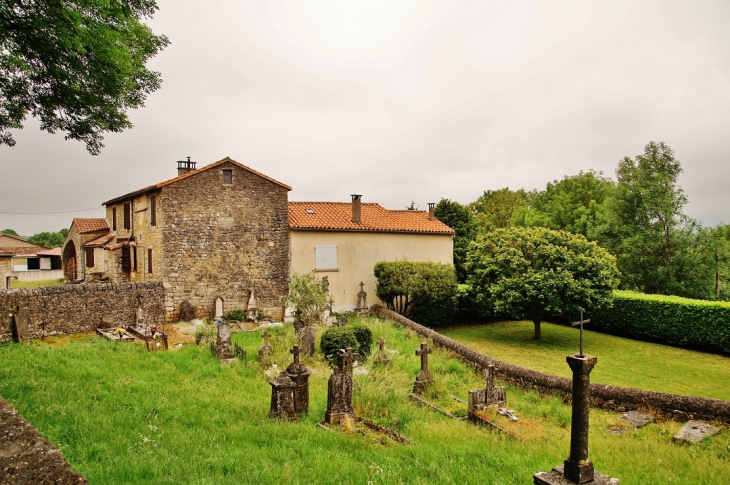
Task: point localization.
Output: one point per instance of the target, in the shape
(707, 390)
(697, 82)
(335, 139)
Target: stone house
(80, 262)
(343, 241)
(218, 231)
(6, 270)
(30, 262)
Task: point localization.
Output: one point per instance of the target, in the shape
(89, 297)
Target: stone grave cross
(295, 352)
(381, 343)
(581, 322)
(362, 286)
(423, 352)
(266, 336)
(347, 356)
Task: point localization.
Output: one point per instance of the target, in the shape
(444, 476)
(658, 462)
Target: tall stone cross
(423, 352)
(266, 336)
(346, 358)
(362, 286)
(381, 343)
(295, 352)
(581, 322)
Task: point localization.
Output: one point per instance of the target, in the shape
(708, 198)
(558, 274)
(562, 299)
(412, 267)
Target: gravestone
(298, 325)
(424, 380)
(252, 308)
(362, 301)
(307, 341)
(694, 432)
(382, 358)
(489, 395)
(265, 351)
(218, 308)
(282, 397)
(223, 347)
(341, 321)
(339, 390)
(140, 317)
(19, 328)
(299, 374)
(636, 419)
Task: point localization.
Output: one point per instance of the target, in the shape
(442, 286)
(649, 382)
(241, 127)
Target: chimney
(431, 216)
(185, 166)
(356, 208)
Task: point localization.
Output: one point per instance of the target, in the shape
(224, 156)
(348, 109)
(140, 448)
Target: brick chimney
(356, 208)
(185, 166)
(431, 216)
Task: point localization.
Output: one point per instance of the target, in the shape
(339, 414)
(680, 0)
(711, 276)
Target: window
(325, 257)
(149, 260)
(126, 259)
(227, 176)
(34, 263)
(134, 258)
(89, 257)
(114, 218)
(127, 216)
(153, 210)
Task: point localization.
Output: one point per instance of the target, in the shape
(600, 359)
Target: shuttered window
(325, 257)
(126, 259)
(89, 257)
(227, 176)
(153, 210)
(127, 216)
(149, 260)
(114, 218)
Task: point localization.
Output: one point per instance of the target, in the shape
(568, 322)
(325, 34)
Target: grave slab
(695, 432)
(556, 477)
(637, 419)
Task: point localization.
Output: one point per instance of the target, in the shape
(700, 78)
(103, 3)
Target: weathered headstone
(282, 397)
(140, 317)
(424, 378)
(298, 324)
(252, 309)
(265, 351)
(489, 395)
(299, 374)
(218, 308)
(19, 327)
(223, 347)
(695, 431)
(636, 419)
(382, 358)
(341, 321)
(339, 390)
(362, 301)
(307, 341)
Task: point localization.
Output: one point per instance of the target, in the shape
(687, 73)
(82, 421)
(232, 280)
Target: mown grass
(17, 284)
(123, 415)
(621, 362)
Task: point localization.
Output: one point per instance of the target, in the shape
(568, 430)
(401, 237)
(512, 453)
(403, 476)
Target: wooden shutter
(126, 266)
(149, 260)
(114, 218)
(153, 210)
(127, 216)
(89, 257)
(326, 257)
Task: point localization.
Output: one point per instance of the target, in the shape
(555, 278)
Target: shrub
(423, 291)
(307, 296)
(187, 311)
(358, 337)
(237, 314)
(698, 324)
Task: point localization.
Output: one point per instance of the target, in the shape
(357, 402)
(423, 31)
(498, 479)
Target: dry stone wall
(77, 308)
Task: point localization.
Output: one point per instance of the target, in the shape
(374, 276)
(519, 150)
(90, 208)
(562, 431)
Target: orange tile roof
(337, 216)
(99, 241)
(85, 226)
(190, 174)
(50, 252)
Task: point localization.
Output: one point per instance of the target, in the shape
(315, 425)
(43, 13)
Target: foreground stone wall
(77, 308)
(602, 395)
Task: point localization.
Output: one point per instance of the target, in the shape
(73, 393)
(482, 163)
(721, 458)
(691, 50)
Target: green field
(36, 284)
(621, 362)
(123, 415)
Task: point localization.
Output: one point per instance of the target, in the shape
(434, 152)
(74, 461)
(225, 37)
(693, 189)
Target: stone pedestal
(339, 391)
(299, 374)
(282, 397)
(362, 301)
(265, 351)
(557, 477)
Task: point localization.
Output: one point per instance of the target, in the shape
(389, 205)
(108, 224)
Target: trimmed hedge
(357, 337)
(672, 320)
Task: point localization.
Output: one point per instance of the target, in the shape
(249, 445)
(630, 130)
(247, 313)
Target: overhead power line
(44, 213)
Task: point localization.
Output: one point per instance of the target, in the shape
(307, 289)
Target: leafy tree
(10, 231)
(77, 65)
(461, 219)
(49, 239)
(573, 204)
(533, 273)
(307, 296)
(496, 208)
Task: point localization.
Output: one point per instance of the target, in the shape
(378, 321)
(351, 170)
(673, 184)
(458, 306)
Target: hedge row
(672, 320)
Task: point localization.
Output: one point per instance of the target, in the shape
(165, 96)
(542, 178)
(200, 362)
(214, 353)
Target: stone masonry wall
(221, 240)
(78, 308)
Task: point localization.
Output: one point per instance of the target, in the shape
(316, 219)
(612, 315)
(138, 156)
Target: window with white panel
(325, 257)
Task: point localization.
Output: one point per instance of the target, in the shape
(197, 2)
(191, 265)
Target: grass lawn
(123, 415)
(622, 362)
(36, 284)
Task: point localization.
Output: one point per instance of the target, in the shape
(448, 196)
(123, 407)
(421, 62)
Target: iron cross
(575, 324)
(423, 352)
(382, 342)
(266, 336)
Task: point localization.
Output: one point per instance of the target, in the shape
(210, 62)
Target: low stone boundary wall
(602, 395)
(26, 313)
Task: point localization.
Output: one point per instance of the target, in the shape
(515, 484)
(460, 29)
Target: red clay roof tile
(85, 226)
(22, 251)
(337, 216)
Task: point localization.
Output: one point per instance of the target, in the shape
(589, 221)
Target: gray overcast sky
(405, 100)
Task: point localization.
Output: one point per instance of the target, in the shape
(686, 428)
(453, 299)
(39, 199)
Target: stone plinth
(339, 390)
(578, 467)
(557, 477)
(299, 374)
(282, 397)
(695, 431)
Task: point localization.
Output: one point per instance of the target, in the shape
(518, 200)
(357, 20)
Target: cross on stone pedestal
(362, 286)
(347, 356)
(581, 322)
(295, 352)
(423, 352)
(266, 336)
(381, 343)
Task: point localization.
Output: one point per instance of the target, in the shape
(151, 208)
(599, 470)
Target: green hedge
(697, 324)
(422, 291)
(357, 337)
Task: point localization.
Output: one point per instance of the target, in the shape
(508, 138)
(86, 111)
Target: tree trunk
(538, 334)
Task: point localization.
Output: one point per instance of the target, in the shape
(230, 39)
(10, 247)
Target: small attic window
(227, 176)
(309, 211)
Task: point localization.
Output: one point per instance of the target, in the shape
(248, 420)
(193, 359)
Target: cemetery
(182, 416)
